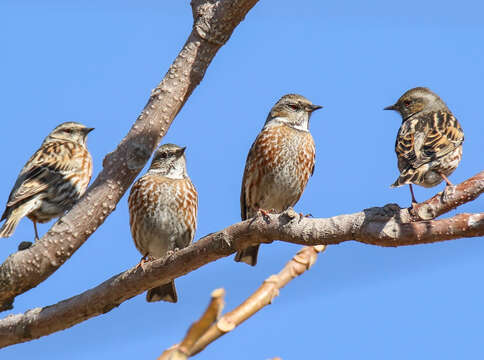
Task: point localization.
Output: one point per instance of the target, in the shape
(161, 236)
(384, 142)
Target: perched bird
(279, 163)
(53, 179)
(163, 211)
(429, 142)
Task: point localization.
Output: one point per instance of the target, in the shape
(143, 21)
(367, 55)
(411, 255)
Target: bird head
(70, 131)
(169, 160)
(293, 110)
(417, 100)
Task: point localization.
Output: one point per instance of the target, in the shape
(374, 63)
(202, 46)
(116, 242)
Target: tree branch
(200, 327)
(386, 226)
(263, 296)
(214, 22)
(449, 199)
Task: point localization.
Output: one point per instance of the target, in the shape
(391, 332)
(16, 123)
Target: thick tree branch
(214, 22)
(386, 226)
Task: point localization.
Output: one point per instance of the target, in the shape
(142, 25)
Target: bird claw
(171, 252)
(142, 262)
(448, 192)
(302, 216)
(265, 215)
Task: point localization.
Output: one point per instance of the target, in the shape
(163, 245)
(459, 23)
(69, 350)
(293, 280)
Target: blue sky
(96, 63)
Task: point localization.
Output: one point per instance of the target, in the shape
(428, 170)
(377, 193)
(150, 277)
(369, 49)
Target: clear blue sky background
(97, 63)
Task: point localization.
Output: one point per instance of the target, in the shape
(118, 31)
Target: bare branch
(449, 199)
(377, 226)
(262, 297)
(387, 226)
(211, 314)
(214, 22)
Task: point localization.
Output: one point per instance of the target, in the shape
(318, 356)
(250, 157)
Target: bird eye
(407, 103)
(294, 107)
(69, 131)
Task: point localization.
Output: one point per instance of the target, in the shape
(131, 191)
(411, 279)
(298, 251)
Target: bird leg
(414, 201)
(265, 214)
(36, 233)
(142, 261)
(449, 189)
(308, 215)
(447, 181)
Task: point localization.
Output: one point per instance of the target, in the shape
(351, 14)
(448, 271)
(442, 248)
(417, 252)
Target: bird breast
(162, 214)
(278, 168)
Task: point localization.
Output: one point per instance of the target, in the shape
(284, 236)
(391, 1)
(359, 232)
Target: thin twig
(263, 296)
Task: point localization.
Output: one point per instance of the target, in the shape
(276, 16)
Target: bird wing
(314, 163)
(427, 139)
(243, 191)
(445, 134)
(256, 166)
(40, 171)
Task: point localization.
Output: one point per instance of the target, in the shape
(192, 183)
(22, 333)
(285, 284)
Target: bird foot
(302, 216)
(171, 252)
(448, 193)
(142, 262)
(265, 215)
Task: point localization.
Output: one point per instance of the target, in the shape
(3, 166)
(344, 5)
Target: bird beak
(391, 107)
(88, 130)
(182, 150)
(315, 107)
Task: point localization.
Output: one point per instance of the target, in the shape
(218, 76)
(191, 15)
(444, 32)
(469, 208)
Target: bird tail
(407, 177)
(165, 292)
(13, 218)
(248, 255)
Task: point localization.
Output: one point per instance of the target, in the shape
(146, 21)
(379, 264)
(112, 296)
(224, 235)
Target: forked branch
(182, 351)
(214, 22)
(262, 297)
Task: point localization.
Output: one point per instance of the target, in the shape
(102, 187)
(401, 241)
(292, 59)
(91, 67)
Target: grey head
(293, 110)
(69, 131)
(417, 100)
(169, 160)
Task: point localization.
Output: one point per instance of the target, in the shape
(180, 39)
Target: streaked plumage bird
(53, 179)
(429, 142)
(163, 211)
(279, 163)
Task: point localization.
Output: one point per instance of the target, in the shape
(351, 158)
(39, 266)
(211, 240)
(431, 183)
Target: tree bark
(384, 226)
(214, 22)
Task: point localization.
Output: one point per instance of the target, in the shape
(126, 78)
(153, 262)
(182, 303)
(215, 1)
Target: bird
(163, 206)
(279, 164)
(429, 141)
(52, 180)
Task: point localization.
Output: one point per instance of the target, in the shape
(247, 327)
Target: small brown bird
(163, 211)
(429, 142)
(53, 179)
(279, 163)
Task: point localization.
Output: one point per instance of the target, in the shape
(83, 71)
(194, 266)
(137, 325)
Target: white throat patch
(283, 120)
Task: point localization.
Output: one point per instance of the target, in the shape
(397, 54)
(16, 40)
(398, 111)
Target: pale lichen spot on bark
(474, 221)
